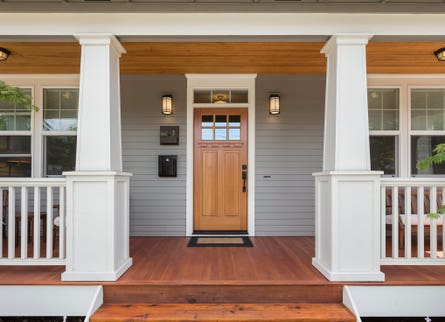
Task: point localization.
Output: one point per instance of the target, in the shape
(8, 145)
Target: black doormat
(217, 241)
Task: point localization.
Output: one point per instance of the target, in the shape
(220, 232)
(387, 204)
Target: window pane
(383, 154)
(220, 96)
(221, 134)
(221, 120)
(15, 166)
(418, 98)
(60, 109)
(435, 120)
(60, 154)
(23, 122)
(15, 144)
(14, 117)
(234, 134)
(239, 96)
(202, 96)
(234, 120)
(207, 120)
(427, 109)
(207, 134)
(418, 119)
(422, 147)
(383, 105)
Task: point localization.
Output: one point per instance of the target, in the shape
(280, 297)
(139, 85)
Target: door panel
(220, 151)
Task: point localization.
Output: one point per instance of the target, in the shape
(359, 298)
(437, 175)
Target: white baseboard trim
(111, 276)
(370, 276)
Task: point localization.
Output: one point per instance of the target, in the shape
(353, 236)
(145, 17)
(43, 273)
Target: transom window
(224, 127)
(220, 96)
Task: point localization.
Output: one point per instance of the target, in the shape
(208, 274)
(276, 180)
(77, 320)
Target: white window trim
(37, 83)
(405, 83)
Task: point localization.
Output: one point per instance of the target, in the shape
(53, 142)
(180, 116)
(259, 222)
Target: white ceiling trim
(219, 24)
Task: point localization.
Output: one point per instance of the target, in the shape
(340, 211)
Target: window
(225, 127)
(40, 143)
(15, 139)
(383, 110)
(59, 130)
(406, 123)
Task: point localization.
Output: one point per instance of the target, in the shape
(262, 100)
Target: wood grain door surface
(220, 151)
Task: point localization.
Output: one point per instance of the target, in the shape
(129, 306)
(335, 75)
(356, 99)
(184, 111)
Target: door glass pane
(60, 154)
(383, 154)
(206, 134)
(221, 120)
(234, 134)
(221, 134)
(207, 120)
(234, 120)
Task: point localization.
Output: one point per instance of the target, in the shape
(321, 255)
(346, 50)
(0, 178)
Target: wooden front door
(220, 169)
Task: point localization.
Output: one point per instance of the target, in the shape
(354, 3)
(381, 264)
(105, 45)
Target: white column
(347, 192)
(98, 191)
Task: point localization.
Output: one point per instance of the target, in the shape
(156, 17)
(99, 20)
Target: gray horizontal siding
(289, 148)
(157, 205)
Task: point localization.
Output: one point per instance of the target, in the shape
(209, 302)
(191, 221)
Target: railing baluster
(62, 222)
(395, 224)
(24, 223)
(11, 222)
(49, 222)
(420, 221)
(433, 224)
(383, 222)
(407, 222)
(37, 228)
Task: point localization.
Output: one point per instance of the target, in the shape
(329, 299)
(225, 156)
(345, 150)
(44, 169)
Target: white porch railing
(408, 235)
(33, 221)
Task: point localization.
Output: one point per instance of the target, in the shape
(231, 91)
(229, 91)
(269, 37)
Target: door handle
(244, 176)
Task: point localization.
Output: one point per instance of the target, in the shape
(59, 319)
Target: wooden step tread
(309, 312)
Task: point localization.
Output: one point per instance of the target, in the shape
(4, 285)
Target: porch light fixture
(167, 104)
(440, 54)
(274, 104)
(4, 54)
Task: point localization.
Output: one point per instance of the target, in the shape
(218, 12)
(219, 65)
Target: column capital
(345, 39)
(95, 39)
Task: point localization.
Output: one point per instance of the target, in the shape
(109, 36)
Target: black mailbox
(167, 165)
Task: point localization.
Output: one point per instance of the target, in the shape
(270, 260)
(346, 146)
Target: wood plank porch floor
(273, 261)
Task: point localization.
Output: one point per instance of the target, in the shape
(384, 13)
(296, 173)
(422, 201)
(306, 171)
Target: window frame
(37, 83)
(406, 83)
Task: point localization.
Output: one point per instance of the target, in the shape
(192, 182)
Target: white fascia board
(213, 24)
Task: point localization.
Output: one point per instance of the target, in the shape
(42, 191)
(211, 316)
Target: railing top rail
(32, 182)
(412, 182)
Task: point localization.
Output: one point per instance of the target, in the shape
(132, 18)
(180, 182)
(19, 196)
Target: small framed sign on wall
(169, 135)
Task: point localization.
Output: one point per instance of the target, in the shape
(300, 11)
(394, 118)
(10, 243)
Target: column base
(348, 276)
(97, 276)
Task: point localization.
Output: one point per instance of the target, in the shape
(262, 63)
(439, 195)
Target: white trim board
(209, 24)
(229, 81)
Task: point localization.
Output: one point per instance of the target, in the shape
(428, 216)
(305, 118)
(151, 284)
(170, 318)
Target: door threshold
(220, 232)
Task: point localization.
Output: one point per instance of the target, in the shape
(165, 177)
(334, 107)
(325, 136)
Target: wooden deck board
(273, 261)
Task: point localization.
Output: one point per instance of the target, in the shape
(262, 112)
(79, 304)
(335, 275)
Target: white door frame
(221, 81)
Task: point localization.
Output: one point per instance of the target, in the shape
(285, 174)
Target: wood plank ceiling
(221, 57)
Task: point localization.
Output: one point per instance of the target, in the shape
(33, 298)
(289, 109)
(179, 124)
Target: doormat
(216, 241)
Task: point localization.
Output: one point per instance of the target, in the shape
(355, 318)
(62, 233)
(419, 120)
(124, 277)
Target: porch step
(222, 293)
(309, 312)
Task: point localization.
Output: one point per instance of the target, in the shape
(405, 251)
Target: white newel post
(347, 192)
(98, 191)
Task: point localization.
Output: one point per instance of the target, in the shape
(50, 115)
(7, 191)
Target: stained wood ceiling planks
(220, 57)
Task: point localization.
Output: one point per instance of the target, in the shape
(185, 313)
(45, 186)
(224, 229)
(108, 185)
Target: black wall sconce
(167, 104)
(274, 104)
